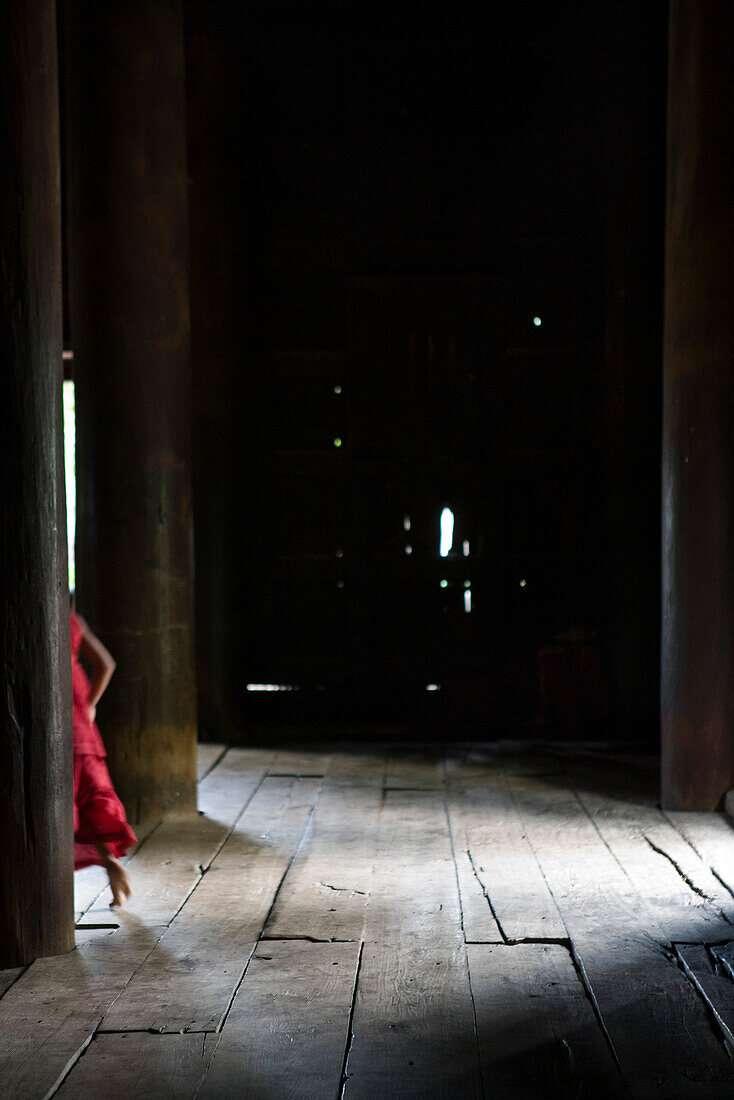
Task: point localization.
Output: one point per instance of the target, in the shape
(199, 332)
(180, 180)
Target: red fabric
(99, 816)
(87, 737)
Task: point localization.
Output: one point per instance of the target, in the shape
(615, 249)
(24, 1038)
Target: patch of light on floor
(447, 532)
(70, 474)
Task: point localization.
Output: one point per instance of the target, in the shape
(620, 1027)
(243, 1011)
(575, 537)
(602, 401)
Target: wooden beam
(129, 310)
(698, 443)
(36, 855)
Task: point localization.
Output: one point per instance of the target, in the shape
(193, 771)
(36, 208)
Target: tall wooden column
(130, 330)
(36, 852)
(631, 54)
(698, 430)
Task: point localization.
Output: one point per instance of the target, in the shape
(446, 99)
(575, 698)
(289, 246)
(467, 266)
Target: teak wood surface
(501, 920)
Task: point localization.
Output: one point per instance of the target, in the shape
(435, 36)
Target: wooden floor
(495, 921)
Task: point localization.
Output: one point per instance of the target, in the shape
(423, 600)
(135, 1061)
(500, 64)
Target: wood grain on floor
(504, 920)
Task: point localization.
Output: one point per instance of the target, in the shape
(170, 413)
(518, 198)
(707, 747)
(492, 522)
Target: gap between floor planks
(407, 772)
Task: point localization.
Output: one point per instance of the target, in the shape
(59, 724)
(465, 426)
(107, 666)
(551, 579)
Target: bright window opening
(447, 532)
(433, 687)
(70, 474)
(467, 599)
(465, 548)
(273, 687)
(406, 523)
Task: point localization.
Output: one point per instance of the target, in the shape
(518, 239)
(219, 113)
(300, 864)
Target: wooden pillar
(631, 50)
(130, 331)
(36, 853)
(698, 428)
(218, 142)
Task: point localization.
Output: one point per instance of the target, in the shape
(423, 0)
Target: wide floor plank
(496, 920)
(488, 831)
(141, 1066)
(413, 1024)
(288, 1029)
(617, 942)
(49, 1015)
(537, 1030)
(187, 982)
(325, 892)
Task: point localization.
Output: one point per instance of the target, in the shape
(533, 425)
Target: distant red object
(572, 684)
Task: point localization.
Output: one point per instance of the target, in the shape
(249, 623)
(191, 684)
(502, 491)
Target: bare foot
(119, 883)
(118, 876)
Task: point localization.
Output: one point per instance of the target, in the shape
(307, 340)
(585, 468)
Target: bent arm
(101, 660)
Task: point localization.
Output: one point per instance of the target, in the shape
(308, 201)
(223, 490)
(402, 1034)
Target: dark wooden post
(36, 852)
(698, 429)
(631, 54)
(130, 330)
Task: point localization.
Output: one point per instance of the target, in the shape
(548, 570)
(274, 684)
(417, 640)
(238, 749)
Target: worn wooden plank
(537, 1031)
(325, 891)
(476, 764)
(723, 955)
(415, 769)
(9, 977)
(288, 1028)
(301, 763)
(716, 986)
(413, 1023)
(143, 1066)
(627, 967)
(358, 767)
(488, 832)
(477, 921)
(208, 752)
(187, 982)
(48, 1016)
(711, 835)
(689, 901)
(168, 866)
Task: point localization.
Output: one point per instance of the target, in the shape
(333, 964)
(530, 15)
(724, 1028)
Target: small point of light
(523, 583)
(467, 584)
(465, 548)
(340, 584)
(406, 523)
(67, 355)
(433, 687)
(447, 532)
(337, 389)
(467, 600)
(537, 321)
(408, 549)
(273, 687)
(340, 553)
(444, 584)
(337, 442)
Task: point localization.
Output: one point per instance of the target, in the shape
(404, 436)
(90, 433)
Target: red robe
(99, 816)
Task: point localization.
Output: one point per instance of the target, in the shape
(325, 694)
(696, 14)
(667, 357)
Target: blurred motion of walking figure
(101, 830)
